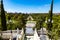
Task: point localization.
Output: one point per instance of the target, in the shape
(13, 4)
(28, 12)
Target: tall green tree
(3, 18)
(50, 17)
(50, 21)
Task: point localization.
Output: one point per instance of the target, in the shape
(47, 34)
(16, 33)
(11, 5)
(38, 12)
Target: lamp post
(49, 23)
(48, 27)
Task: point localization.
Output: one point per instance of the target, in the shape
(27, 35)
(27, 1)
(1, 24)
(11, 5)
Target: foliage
(19, 21)
(3, 17)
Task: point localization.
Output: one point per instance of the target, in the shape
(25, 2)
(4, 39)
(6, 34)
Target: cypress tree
(50, 16)
(3, 18)
(50, 20)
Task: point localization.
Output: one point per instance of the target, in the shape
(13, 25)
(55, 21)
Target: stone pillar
(36, 37)
(17, 33)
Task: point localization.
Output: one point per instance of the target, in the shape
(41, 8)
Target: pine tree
(3, 18)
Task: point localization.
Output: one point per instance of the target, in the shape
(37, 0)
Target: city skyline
(31, 6)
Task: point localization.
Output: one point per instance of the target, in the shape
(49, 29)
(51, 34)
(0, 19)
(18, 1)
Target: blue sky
(31, 6)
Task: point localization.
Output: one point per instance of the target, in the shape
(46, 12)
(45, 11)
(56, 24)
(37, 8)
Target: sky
(31, 6)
